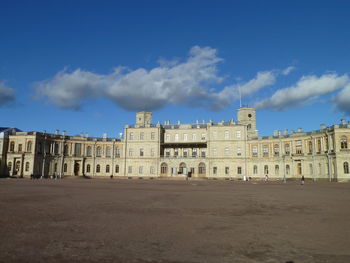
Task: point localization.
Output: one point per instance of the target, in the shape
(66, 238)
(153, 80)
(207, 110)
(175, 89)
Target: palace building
(230, 150)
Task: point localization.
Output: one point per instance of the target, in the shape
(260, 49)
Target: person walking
(302, 180)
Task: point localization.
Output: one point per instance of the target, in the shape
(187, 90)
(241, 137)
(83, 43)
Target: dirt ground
(168, 221)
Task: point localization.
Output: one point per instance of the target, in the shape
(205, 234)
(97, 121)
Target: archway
(76, 168)
(183, 168)
(163, 169)
(201, 170)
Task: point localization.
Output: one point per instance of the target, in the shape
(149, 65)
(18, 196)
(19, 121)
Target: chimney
(275, 133)
(300, 129)
(285, 132)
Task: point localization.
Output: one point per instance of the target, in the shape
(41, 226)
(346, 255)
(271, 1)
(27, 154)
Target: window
(108, 151)
(12, 146)
(276, 149)
(27, 167)
(298, 147)
(142, 135)
(141, 170)
(215, 152)
(131, 136)
(167, 137)
(255, 169)
(299, 168)
(167, 153)
(164, 168)
(98, 151)
(77, 149)
(65, 168)
(88, 151)
(176, 152)
(287, 149)
(194, 152)
(215, 135)
(185, 137)
(239, 170)
(238, 134)
(117, 152)
(343, 142)
(117, 169)
(55, 148)
(20, 147)
(203, 154)
(130, 169)
(55, 168)
(226, 135)
(176, 137)
(227, 170)
(131, 152)
(153, 135)
(266, 169)
(141, 152)
(227, 151)
(346, 167)
(239, 152)
(277, 170)
(201, 168)
(152, 152)
(88, 168)
(265, 150)
(255, 150)
(215, 170)
(98, 168)
(287, 169)
(185, 153)
(310, 146)
(29, 146)
(203, 137)
(318, 145)
(152, 170)
(65, 150)
(107, 168)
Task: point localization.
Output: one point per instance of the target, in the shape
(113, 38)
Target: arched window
(346, 167)
(107, 168)
(201, 168)
(108, 151)
(117, 169)
(65, 168)
(27, 167)
(88, 167)
(255, 169)
(182, 168)
(98, 168)
(12, 146)
(343, 142)
(164, 168)
(287, 169)
(98, 151)
(88, 151)
(29, 146)
(277, 170)
(266, 169)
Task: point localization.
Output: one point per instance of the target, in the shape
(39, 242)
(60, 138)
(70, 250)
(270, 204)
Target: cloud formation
(7, 95)
(305, 91)
(172, 82)
(342, 100)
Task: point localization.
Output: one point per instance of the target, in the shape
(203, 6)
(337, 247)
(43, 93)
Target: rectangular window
(194, 137)
(185, 137)
(239, 152)
(131, 136)
(255, 150)
(152, 152)
(238, 134)
(227, 170)
(142, 135)
(227, 151)
(141, 152)
(77, 149)
(117, 152)
(298, 147)
(153, 135)
(265, 150)
(203, 137)
(226, 135)
(131, 152)
(20, 147)
(215, 170)
(167, 137)
(203, 154)
(176, 137)
(194, 152)
(215, 152)
(185, 153)
(167, 153)
(130, 169)
(152, 170)
(141, 170)
(215, 135)
(176, 152)
(239, 170)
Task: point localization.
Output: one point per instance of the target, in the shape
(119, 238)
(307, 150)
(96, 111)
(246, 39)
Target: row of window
(187, 137)
(142, 136)
(20, 146)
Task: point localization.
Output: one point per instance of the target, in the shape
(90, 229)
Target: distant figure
(111, 176)
(302, 180)
(244, 178)
(266, 178)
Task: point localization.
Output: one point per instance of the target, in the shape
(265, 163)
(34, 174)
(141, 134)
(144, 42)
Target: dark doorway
(76, 168)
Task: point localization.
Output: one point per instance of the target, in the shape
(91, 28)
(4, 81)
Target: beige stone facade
(231, 150)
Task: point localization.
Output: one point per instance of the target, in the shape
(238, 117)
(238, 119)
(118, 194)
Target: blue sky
(88, 66)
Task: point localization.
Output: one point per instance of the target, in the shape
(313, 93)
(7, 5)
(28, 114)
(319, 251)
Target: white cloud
(288, 70)
(342, 100)
(7, 95)
(305, 91)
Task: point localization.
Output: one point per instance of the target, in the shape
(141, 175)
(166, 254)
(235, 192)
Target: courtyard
(169, 221)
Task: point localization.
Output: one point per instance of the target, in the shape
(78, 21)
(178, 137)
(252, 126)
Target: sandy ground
(104, 220)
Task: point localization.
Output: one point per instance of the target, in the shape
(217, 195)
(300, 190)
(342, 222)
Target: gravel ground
(168, 221)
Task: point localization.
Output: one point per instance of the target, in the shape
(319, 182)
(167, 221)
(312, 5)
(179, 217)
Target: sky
(89, 66)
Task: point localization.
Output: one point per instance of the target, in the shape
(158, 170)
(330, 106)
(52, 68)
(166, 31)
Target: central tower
(247, 116)
(143, 119)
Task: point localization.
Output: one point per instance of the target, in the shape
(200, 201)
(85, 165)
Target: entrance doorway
(76, 168)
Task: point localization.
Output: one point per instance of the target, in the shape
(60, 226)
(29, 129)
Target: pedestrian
(111, 176)
(302, 180)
